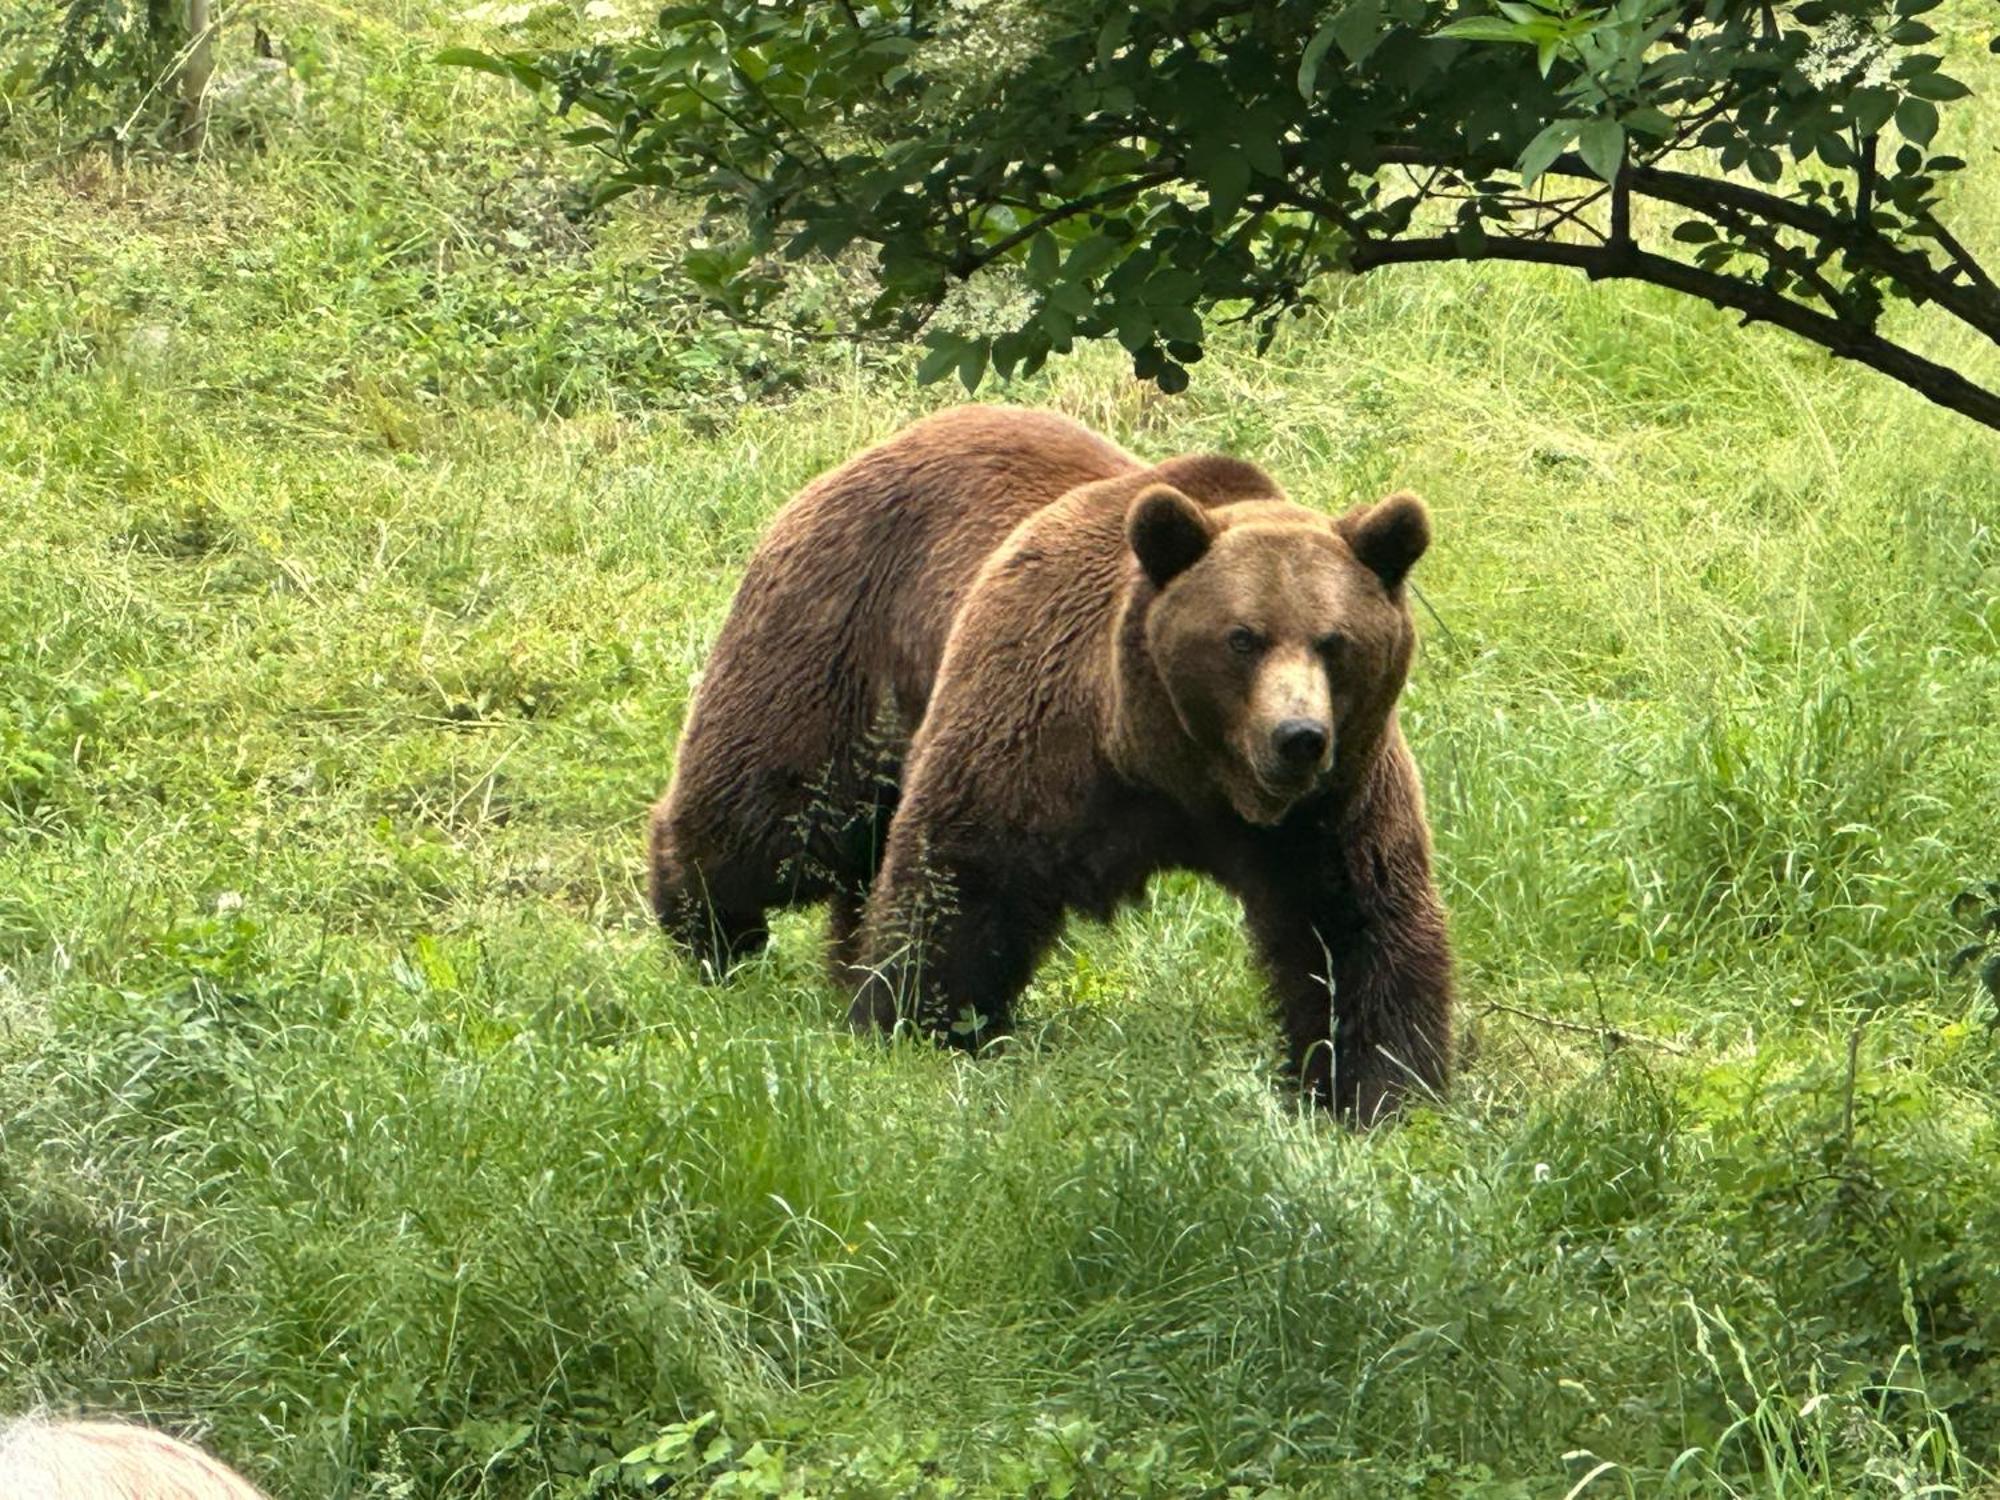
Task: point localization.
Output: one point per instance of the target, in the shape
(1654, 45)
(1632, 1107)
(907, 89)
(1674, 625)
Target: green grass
(363, 525)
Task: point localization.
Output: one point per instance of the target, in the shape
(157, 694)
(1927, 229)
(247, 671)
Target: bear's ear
(1390, 536)
(1169, 533)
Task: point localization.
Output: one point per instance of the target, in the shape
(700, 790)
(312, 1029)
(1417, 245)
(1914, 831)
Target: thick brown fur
(996, 670)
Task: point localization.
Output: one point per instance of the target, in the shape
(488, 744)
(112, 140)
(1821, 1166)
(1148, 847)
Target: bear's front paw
(873, 1012)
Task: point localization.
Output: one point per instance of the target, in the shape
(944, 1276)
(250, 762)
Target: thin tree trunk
(191, 85)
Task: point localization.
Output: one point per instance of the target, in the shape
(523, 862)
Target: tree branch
(1864, 179)
(1974, 272)
(1782, 257)
(1602, 262)
(1970, 304)
(1610, 1036)
(964, 265)
(1621, 200)
(1976, 303)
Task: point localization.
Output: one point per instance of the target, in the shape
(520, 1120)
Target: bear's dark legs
(742, 831)
(950, 948)
(1361, 979)
(844, 957)
(717, 928)
(1366, 1020)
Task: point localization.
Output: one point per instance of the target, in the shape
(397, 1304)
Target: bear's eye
(1331, 645)
(1244, 641)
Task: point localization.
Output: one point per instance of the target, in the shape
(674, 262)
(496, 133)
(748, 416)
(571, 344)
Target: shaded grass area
(361, 535)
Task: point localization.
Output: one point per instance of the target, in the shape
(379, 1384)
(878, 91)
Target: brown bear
(996, 669)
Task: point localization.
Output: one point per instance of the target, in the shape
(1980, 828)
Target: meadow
(364, 521)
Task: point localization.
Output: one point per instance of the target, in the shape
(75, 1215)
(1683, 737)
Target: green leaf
(1172, 379)
(1484, 29)
(1177, 323)
(972, 364)
(944, 352)
(1089, 256)
(1313, 56)
(1648, 121)
(1135, 325)
(1871, 109)
(1073, 299)
(1917, 119)
(1545, 54)
(1223, 169)
(1937, 86)
(1694, 232)
(1545, 148)
(1262, 134)
(1602, 144)
(1044, 258)
(1117, 26)
(610, 191)
(1358, 29)
(1765, 164)
(485, 62)
(1008, 351)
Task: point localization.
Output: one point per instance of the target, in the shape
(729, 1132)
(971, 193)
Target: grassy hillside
(363, 525)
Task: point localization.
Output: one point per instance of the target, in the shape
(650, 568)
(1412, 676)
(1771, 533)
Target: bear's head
(1280, 638)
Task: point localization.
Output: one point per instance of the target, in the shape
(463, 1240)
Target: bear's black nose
(1299, 742)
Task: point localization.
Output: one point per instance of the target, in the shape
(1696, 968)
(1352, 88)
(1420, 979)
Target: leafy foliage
(1145, 167)
(109, 61)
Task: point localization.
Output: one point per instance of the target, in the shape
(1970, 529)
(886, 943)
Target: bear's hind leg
(950, 946)
(877, 783)
(844, 958)
(713, 910)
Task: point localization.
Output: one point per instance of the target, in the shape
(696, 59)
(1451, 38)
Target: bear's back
(860, 574)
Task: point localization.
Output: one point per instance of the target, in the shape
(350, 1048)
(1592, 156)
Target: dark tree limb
(1945, 386)
(1621, 203)
(1864, 179)
(1783, 257)
(967, 262)
(1975, 301)
(1973, 305)
(935, 196)
(1963, 258)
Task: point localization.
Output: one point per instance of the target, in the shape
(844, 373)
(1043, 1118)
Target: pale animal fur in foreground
(42, 1460)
